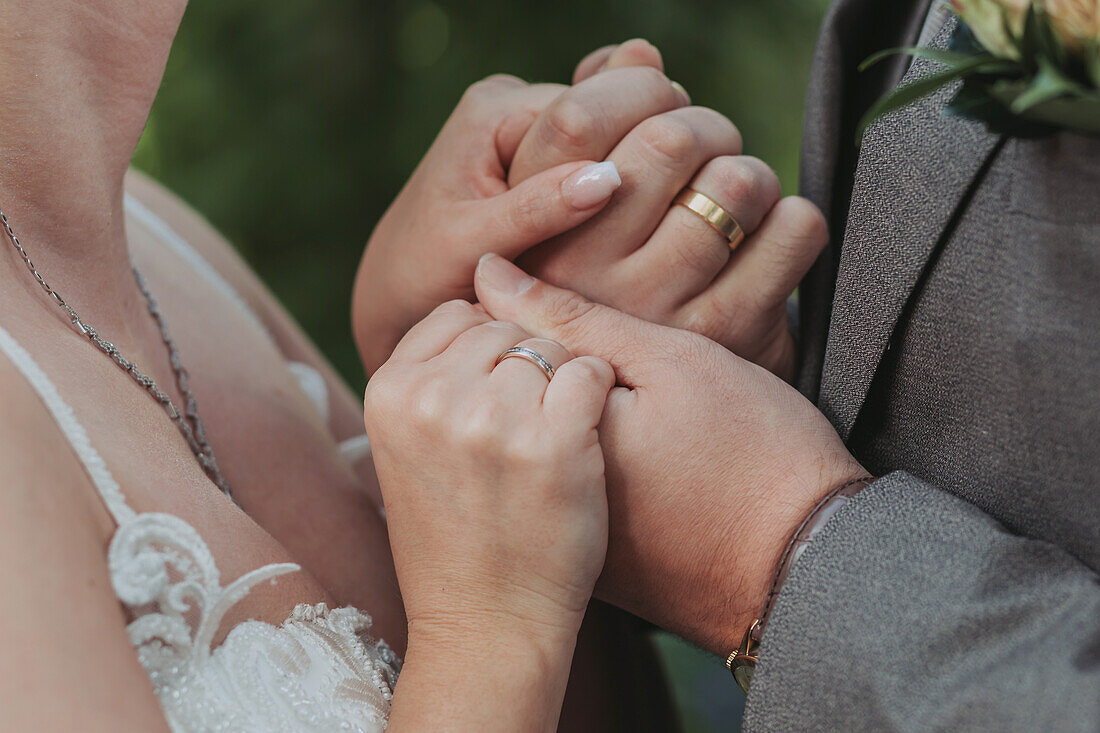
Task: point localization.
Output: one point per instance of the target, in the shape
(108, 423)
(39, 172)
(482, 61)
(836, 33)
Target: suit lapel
(837, 96)
(915, 167)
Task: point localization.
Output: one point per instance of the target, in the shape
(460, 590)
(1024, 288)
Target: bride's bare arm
(67, 663)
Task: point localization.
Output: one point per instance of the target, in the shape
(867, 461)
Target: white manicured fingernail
(591, 185)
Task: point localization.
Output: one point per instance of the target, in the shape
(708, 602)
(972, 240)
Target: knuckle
(480, 431)
(736, 140)
(669, 138)
(454, 307)
(523, 218)
(800, 233)
(747, 179)
(712, 318)
(499, 81)
(386, 395)
(489, 88)
(569, 312)
(649, 77)
(428, 403)
(570, 123)
(699, 320)
(593, 370)
(523, 449)
(690, 349)
(723, 129)
(375, 398)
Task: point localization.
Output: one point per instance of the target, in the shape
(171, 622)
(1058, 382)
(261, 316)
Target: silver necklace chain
(194, 432)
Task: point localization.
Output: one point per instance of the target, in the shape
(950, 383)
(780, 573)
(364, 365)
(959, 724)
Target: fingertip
(580, 388)
(457, 306)
(683, 93)
(543, 206)
(593, 63)
(635, 52)
(604, 371)
(807, 218)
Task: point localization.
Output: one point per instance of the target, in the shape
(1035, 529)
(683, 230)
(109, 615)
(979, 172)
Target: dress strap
(171, 239)
(109, 490)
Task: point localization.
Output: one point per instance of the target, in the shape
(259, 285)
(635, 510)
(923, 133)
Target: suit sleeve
(915, 611)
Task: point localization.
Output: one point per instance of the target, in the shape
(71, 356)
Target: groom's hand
(712, 462)
(663, 263)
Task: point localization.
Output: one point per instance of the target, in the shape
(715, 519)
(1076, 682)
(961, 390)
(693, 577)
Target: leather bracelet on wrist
(742, 661)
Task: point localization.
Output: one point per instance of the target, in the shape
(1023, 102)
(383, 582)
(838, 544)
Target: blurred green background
(292, 125)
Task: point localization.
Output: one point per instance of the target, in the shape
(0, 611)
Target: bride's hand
(459, 205)
(662, 263)
(493, 480)
(492, 474)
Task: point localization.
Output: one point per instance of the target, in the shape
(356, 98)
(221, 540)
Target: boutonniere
(1029, 68)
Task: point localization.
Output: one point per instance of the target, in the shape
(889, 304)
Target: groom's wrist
(742, 659)
(800, 539)
(754, 545)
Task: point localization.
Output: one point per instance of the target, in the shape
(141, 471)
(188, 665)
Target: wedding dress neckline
(317, 671)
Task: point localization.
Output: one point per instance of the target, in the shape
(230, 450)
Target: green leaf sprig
(1044, 90)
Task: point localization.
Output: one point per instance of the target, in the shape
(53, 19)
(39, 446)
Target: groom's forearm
(735, 558)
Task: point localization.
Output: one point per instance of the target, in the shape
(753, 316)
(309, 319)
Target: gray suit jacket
(951, 334)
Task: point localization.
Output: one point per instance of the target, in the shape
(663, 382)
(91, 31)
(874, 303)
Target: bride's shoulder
(201, 236)
(218, 253)
(62, 628)
(345, 408)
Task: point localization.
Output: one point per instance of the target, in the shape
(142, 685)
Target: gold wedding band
(522, 352)
(713, 214)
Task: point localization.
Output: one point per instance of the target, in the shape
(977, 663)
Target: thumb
(545, 205)
(632, 346)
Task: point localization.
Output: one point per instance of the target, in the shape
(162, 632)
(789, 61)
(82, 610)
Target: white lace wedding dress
(318, 671)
